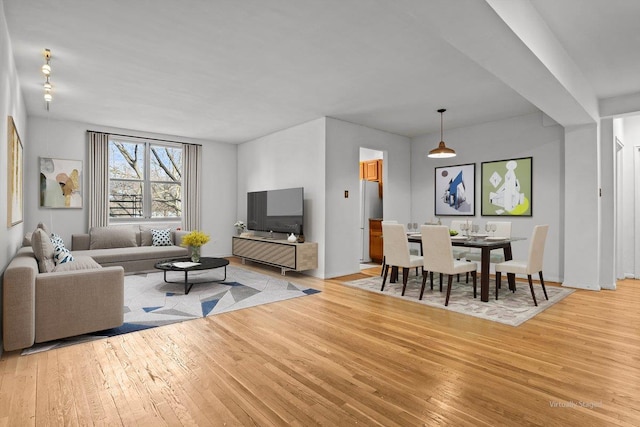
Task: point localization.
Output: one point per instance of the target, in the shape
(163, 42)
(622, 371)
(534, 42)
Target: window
(145, 180)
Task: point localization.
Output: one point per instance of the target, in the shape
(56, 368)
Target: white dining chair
(396, 251)
(456, 225)
(438, 258)
(384, 261)
(460, 252)
(532, 265)
(503, 229)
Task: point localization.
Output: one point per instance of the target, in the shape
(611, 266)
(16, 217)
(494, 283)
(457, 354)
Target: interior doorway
(371, 195)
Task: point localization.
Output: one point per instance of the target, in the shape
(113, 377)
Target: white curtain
(98, 179)
(191, 178)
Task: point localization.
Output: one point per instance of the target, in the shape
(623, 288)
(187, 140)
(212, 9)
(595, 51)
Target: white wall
(68, 140)
(631, 140)
(11, 104)
(344, 140)
(524, 136)
(293, 157)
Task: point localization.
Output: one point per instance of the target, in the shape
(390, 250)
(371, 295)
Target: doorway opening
(371, 207)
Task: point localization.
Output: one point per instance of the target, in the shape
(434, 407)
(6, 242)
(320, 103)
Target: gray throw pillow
(112, 237)
(44, 227)
(43, 250)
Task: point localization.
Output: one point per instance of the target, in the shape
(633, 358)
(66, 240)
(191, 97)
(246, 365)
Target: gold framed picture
(15, 181)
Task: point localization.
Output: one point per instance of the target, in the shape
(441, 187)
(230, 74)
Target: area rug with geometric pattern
(149, 302)
(511, 308)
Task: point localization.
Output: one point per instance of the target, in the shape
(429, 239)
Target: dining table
(486, 244)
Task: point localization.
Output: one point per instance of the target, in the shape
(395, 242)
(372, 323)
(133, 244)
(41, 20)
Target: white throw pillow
(61, 255)
(56, 240)
(162, 237)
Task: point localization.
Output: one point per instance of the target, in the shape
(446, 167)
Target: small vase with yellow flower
(194, 240)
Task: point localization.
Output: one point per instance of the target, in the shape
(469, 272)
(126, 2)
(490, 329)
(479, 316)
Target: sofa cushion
(123, 255)
(61, 255)
(26, 240)
(43, 226)
(161, 237)
(43, 250)
(112, 237)
(81, 262)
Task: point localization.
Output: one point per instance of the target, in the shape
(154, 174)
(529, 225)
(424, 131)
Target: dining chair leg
(384, 263)
(384, 279)
(542, 283)
(431, 279)
(405, 277)
(446, 301)
(416, 271)
(424, 282)
(531, 287)
(475, 283)
(497, 283)
(440, 282)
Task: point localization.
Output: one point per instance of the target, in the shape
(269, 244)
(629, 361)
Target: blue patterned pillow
(61, 255)
(56, 240)
(161, 237)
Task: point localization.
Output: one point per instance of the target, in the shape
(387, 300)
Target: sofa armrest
(80, 242)
(179, 234)
(18, 303)
(77, 302)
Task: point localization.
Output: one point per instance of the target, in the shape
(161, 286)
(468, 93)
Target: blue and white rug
(149, 302)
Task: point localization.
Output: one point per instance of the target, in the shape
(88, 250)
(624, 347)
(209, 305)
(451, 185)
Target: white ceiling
(236, 70)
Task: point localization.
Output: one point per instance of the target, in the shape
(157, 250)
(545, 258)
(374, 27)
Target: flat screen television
(281, 211)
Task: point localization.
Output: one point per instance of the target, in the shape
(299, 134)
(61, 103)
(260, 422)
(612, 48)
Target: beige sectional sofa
(45, 299)
(72, 299)
(128, 246)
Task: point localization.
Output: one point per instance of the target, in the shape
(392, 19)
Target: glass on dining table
(475, 228)
(415, 226)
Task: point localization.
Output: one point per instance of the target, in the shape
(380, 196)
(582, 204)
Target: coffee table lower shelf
(205, 263)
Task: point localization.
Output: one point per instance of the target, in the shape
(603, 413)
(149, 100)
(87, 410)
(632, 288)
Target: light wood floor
(345, 357)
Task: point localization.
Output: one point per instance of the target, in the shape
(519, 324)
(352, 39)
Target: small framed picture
(507, 187)
(455, 190)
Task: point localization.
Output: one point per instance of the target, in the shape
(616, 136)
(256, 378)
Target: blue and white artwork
(455, 190)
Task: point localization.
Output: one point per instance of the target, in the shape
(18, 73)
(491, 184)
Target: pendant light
(46, 70)
(442, 151)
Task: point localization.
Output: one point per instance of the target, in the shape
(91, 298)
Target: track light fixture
(46, 70)
(442, 151)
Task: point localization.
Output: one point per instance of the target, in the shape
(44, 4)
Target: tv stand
(289, 256)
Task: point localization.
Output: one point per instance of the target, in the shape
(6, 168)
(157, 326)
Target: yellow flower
(195, 238)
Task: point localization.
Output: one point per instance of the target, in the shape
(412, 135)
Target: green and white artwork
(60, 183)
(507, 187)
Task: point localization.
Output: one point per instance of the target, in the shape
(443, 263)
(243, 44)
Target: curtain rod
(141, 137)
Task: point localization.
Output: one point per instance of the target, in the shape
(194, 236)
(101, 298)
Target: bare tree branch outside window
(143, 185)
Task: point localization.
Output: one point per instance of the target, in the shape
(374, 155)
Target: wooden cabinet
(279, 253)
(371, 170)
(375, 240)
